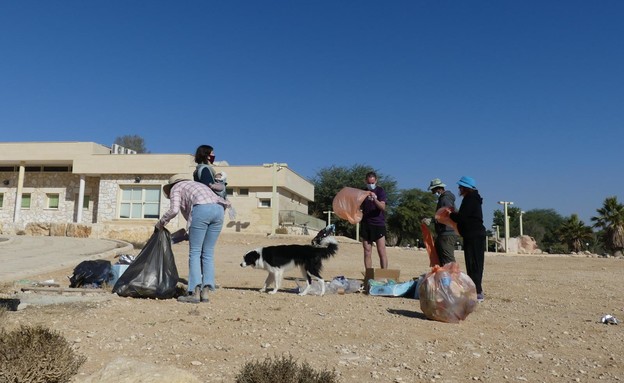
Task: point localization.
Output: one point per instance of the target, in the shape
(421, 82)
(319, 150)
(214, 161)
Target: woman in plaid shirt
(203, 211)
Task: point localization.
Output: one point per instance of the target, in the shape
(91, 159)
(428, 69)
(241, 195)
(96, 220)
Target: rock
(58, 229)
(78, 231)
(123, 370)
(37, 229)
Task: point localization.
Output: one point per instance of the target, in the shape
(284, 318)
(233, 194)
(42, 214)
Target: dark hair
(202, 153)
(371, 174)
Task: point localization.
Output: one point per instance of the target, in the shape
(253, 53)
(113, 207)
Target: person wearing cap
(373, 229)
(469, 220)
(445, 235)
(203, 211)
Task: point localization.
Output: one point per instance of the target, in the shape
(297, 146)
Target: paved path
(25, 256)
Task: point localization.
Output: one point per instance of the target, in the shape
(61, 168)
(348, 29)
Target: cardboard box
(380, 275)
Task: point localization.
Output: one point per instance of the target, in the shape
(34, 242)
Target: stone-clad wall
(100, 220)
(38, 185)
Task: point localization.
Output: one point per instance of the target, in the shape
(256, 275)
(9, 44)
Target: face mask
(437, 194)
(211, 158)
(371, 186)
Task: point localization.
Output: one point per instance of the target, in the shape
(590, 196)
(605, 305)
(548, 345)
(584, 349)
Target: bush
(36, 355)
(283, 370)
(281, 230)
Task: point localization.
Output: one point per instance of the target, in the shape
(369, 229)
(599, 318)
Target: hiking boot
(480, 297)
(193, 297)
(204, 294)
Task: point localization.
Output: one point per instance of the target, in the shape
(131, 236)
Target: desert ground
(540, 322)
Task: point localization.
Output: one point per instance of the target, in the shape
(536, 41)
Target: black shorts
(371, 233)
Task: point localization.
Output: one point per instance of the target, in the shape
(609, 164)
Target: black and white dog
(278, 259)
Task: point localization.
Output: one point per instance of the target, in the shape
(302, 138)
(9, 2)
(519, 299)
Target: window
(85, 201)
(229, 191)
(139, 202)
(264, 202)
(1, 200)
(25, 201)
(243, 191)
(52, 200)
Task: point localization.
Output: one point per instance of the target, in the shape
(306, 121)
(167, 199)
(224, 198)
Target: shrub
(36, 355)
(281, 230)
(283, 370)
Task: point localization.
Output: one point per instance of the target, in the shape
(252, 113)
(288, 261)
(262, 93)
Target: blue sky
(527, 97)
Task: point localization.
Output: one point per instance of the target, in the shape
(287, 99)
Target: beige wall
(104, 173)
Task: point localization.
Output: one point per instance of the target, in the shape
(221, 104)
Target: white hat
(436, 183)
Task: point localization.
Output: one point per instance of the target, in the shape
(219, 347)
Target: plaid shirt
(184, 195)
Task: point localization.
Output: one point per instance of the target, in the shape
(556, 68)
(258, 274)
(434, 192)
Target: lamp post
(521, 212)
(495, 227)
(329, 213)
(274, 202)
(505, 204)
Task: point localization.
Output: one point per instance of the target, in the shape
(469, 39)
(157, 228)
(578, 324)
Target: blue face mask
(437, 194)
(371, 186)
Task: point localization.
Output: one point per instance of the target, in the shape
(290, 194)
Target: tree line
(406, 208)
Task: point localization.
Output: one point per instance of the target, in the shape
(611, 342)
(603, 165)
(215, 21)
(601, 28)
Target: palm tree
(611, 220)
(574, 233)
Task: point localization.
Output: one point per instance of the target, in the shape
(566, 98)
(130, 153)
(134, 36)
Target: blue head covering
(467, 182)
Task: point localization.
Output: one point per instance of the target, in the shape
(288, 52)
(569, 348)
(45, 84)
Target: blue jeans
(206, 224)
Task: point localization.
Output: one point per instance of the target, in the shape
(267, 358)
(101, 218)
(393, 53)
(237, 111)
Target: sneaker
(480, 297)
(191, 297)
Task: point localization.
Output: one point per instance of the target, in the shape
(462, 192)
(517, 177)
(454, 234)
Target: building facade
(108, 191)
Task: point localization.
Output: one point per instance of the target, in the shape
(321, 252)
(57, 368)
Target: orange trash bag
(447, 294)
(347, 202)
(443, 215)
(431, 250)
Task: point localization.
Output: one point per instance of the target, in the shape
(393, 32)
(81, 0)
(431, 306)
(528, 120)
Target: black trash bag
(153, 274)
(91, 273)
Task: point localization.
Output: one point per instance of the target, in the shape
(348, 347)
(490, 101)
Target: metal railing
(297, 218)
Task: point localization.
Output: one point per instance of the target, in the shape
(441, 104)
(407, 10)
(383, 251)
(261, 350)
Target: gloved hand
(158, 227)
(426, 221)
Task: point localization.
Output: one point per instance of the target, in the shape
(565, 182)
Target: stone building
(87, 189)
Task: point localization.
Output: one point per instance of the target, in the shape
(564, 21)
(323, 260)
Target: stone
(125, 370)
(37, 229)
(58, 229)
(78, 231)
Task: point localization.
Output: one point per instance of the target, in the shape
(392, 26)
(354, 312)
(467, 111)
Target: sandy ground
(540, 322)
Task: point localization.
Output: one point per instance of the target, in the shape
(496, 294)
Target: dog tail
(329, 251)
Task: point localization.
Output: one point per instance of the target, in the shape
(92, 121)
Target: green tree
(133, 142)
(574, 233)
(514, 221)
(329, 181)
(404, 223)
(610, 219)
